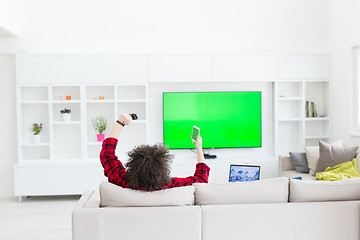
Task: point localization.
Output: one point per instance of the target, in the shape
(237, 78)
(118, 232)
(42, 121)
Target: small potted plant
(36, 130)
(100, 125)
(66, 114)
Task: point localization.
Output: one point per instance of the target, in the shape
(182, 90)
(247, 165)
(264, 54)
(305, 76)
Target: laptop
(244, 173)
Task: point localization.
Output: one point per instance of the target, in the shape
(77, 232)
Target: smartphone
(195, 133)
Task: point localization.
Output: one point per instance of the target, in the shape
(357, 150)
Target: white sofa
(267, 209)
(287, 169)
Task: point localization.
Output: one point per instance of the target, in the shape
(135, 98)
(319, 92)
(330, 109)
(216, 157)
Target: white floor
(37, 218)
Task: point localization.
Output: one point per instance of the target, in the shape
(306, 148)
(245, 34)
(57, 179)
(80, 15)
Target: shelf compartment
(317, 129)
(290, 109)
(60, 93)
(67, 143)
(289, 90)
(94, 110)
(133, 107)
(317, 92)
(95, 92)
(74, 107)
(34, 113)
(35, 152)
(131, 92)
(33, 94)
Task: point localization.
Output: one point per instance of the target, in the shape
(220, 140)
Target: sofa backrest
(112, 195)
(274, 190)
(323, 191)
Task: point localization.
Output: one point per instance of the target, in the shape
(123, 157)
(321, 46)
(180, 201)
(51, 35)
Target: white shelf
(95, 143)
(34, 102)
(66, 123)
(290, 98)
(100, 101)
(66, 101)
(317, 119)
(132, 101)
(317, 137)
(45, 144)
(290, 119)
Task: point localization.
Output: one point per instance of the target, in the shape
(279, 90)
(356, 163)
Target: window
(356, 91)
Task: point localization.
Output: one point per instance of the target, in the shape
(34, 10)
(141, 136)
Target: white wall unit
(180, 69)
(49, 69)
(109, 85)
(99, 69)
(304, 66)
(244, 68)
(69, 151)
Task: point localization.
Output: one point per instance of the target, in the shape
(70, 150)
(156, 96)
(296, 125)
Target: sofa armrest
(85, 221)
(285, 164)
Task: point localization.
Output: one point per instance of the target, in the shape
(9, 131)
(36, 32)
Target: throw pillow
(331, 156)
(112, 195)
(299, 161)
(313, 154)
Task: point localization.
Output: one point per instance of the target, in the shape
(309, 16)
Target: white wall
(156, 27)
(345, 33)
(9, 18)
(171, 26)
(8, 124)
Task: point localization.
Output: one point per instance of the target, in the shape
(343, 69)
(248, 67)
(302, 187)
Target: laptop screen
(244, 173)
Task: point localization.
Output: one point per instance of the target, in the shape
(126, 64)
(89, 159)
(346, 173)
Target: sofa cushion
(331, 156)
(313, 154)
(299, 161)
(321, 191)
(273, 190)
(112, 195)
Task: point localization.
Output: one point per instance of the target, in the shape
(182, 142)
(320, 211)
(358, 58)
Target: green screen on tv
(225, 119)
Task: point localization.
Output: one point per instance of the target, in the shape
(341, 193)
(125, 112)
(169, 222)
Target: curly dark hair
(148, 167)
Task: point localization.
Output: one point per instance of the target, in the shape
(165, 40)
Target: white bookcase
(66, 161)
(301, 78)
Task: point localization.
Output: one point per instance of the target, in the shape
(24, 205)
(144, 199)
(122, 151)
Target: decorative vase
(36, 138)
(66, 117)
(100, 137)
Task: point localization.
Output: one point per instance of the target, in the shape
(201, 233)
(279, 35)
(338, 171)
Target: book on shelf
(310, 109)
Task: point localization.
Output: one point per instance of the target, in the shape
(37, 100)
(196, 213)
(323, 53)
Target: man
(148, 167)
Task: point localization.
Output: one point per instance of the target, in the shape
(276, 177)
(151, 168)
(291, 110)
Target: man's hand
(125, 118)
(198, 145)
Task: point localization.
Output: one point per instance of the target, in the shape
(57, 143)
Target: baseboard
(9, 193)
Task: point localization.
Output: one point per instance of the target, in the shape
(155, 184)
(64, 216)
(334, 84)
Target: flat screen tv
(225, 119)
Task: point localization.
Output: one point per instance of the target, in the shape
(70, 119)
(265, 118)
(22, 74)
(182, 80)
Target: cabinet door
(59, 180)
(244, 68)
(307, 66)
(48, 69)
(115, 69)
(179, 68)
(93, 176)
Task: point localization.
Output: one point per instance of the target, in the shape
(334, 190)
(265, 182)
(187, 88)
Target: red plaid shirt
(116, 172)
